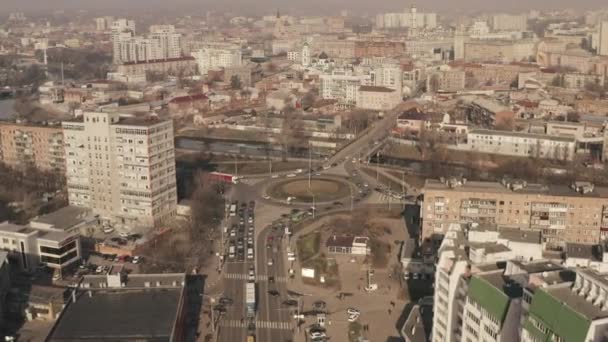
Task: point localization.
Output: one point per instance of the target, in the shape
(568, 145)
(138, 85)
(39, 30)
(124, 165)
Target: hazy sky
(320, 6)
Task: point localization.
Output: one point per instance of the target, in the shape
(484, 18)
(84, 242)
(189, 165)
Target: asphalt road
(233, 324)
(272, 321)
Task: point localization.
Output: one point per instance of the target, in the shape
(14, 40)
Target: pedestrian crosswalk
(260, 277)
(258, 324)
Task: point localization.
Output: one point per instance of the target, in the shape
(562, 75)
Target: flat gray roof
(65, 217)
(577, 303)
(118, 315)
(530, 189)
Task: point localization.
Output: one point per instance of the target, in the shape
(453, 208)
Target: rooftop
(180, 59)
(340, 241)
(520, 235)
(490, 105)
(113, 315)
(529, 189)
(522, 135)
(64, 218)
(583, 251)
(376, 89)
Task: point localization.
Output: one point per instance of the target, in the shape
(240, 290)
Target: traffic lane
(263, 304)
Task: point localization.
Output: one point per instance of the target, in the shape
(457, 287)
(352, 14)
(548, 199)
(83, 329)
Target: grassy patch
(309, 245)
(327, 268)
(354, 331)
(381, 252)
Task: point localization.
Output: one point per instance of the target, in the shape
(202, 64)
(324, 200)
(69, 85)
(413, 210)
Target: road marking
(258, 324)
(261, 277)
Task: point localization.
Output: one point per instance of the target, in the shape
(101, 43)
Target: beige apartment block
(576, 213)
(122, 167)
(23, 146)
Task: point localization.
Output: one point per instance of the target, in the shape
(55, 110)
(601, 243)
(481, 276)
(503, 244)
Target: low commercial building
(521, 144)
(29, 247)
(561, 213)
(355, 245)
(25, 145)
(121, 307)
(377, 98)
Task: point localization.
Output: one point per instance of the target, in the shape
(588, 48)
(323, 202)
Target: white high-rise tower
(305, 55)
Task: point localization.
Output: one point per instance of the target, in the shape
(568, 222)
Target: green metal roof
(558, 317)
(491, 298)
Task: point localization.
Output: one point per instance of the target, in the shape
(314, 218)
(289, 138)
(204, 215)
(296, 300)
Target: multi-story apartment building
(342, 85)
(377, 98)
(167, 40)
(445, 80)
(481, 50)
(162, 43)
(23, 146)
(488, 113)
(507, 22)
(487, 299)
(217, 56)
(577, 213)
(521, 144)
(411, 19)
(172, 67)
(122, 167)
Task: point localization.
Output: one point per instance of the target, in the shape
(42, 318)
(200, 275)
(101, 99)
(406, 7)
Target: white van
(249, 253)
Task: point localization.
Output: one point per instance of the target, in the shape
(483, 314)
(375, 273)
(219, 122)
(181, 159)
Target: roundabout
(321, 189)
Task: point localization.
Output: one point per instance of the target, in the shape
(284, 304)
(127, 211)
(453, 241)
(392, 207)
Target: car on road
(271, 279)
(251, 275)
(123, 235)
(270, 262)
(108, 230)
(290, 302)
(317, 335)
(137, 259)
(249, 253)
(299, 171)
(326, 167)
(274, 293)
(225, 301)
(291, 175)
(352, 318)
(274, 176)
(352, 311)
(266, 197)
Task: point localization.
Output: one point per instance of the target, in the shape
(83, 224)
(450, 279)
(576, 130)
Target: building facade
(171, 67)
(576, 213)
(377, 98)
(520, 144)
(122, 168)
(28, 247)
(214, 57)
(23, 146)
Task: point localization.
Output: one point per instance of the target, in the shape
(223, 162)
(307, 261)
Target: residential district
(405, 175)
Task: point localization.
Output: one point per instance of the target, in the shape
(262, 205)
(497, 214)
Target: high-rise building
(167, 40)
(305, 55)
(409, 18)
(23, 146)
(122, 30)
(122, 167)
(105, 23)
(459, 39)
(603, 39)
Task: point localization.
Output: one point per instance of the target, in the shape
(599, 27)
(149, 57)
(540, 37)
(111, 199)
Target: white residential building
(507, 22)
(377, 98)
(121, 167)
(215, 56)
(342, 85)
(520, 144)
(166, 40)
(409, 18)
